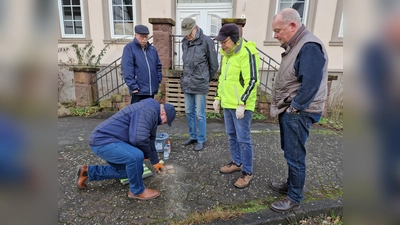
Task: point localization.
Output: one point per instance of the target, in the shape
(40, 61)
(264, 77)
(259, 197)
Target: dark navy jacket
(135, 124)
(141, 68)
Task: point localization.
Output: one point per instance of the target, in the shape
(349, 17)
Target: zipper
(148, 67)
(225, 74)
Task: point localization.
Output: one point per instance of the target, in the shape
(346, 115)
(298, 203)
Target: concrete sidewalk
(193, 182)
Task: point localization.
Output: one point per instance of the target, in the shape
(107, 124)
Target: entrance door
(208, 17)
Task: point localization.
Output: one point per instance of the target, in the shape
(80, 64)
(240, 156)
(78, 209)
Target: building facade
(101, 22)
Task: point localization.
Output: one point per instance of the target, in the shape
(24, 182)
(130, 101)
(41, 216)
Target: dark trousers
(138, 98)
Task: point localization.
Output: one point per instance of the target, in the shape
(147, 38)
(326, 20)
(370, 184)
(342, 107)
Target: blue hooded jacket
(135, 124)
(141, 68)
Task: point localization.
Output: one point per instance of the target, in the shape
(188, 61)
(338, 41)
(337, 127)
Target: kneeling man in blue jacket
(124, 141)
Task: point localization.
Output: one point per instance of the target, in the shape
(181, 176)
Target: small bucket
(161, 141)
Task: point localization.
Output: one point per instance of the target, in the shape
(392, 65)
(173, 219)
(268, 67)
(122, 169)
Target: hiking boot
(231, 167)
(147, 194)
(243, 180)
(280, 187)
(82, 176)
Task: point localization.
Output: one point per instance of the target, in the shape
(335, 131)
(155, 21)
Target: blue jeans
(125, 161)
(195, 109)
(294, 131)
(240, 145)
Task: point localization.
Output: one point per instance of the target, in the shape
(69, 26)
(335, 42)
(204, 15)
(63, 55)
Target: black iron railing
(109, 80)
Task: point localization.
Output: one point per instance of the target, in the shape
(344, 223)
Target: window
(215, 25)
(337, 31)
(203, 1)
(74, 22)
(122, 19)
(71, 19)
(299, 5)
(306, 9)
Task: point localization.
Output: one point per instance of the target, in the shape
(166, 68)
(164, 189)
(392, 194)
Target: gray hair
(289, 15)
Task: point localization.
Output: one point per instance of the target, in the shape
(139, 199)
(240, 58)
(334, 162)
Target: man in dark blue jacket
(124, 141)
(141, 66)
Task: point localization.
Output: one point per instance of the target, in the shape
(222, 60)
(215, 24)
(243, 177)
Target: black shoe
(199, 147)
(279, 187)
(284, 205)
(189, 142)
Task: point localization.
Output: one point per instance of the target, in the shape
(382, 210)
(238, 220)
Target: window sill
(74, 41)
(336, 43)
(121, 42)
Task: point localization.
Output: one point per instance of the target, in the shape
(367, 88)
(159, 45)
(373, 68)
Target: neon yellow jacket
(239, 77)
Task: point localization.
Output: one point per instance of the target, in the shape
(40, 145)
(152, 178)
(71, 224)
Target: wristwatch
(291, 109)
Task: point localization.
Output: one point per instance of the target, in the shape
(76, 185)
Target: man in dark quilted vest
(298, 99)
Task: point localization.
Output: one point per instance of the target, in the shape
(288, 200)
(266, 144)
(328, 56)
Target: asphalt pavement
(192, 181)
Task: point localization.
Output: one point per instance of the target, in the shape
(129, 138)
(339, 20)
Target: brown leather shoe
(147, 194)
(82, 176)
(280, 187)
(231, 167)
(243, 180)
(284, 205)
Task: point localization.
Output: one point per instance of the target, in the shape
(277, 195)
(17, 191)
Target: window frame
(204, 1)
(108, 20)
(336, 40)
(111, 20)
(78, 39)
(306, 3)
(310, 9)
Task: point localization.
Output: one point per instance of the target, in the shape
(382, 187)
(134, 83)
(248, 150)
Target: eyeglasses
(224, 41)
(142, 36)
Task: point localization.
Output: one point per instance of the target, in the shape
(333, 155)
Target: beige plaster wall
(255, 11)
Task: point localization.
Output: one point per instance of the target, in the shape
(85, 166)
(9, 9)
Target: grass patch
(213, 115)
(255, 116)
(258, 116)
(217, 213)
(323, 192)
(332, 123)
(236, 211)
(79, 111)
(84, 111)
(226, 213)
